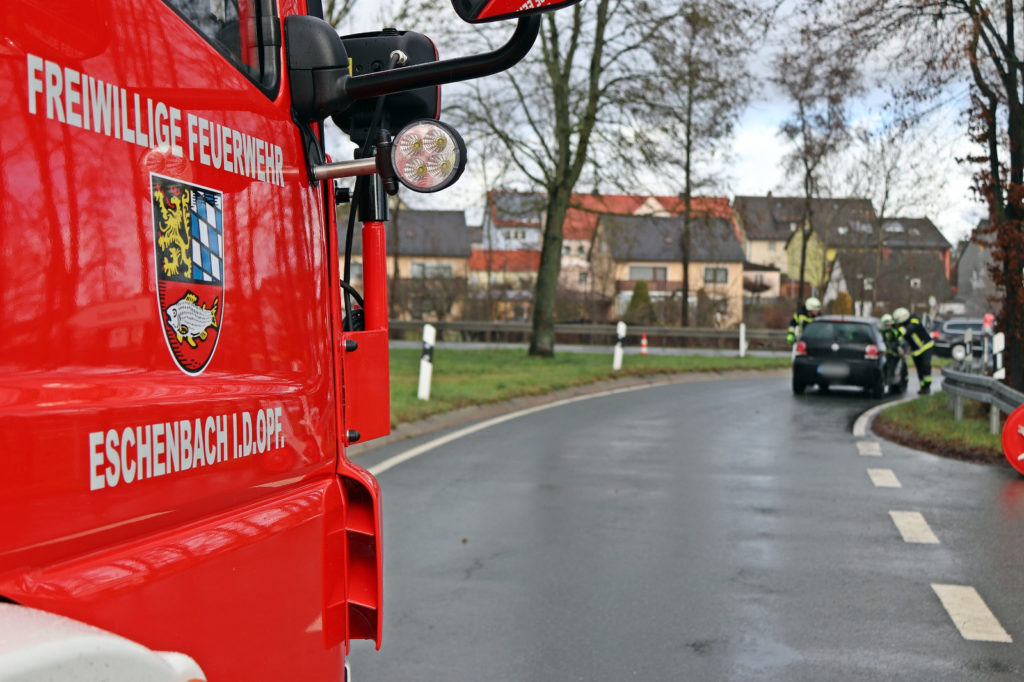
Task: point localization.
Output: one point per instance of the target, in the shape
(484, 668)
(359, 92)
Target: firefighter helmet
(886, 321)
(900, 315)
(813, 305)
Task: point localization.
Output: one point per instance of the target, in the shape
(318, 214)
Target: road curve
(721, 530)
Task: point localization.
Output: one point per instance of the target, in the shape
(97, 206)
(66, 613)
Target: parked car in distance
(847, 351)
(951, 332)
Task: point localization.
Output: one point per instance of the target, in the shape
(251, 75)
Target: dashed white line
(884, 478)
(869, 448)
(970, 614)
(913, 527)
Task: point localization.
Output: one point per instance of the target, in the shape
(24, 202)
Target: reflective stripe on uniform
(927, 346)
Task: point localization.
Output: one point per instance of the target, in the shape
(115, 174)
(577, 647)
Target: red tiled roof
(585, 209)
(505, 261)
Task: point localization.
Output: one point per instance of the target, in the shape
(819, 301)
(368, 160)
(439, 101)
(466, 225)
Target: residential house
(649, 248)
(906, 263)
(761, 282)
(428, 263)
(907, 278)
(975, 287)
(514, 221)
(772, 234)
(586, 209)
(502, 283)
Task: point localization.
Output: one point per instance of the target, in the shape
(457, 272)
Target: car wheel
(877, 388)
(900, 386)
(798, 386)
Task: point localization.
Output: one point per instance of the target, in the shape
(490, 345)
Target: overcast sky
(756, 161)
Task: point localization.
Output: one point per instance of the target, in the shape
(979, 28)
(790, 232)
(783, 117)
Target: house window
(566, 250)
(648, 272)
(915, 282)
(430, 270)
(584, 276)
(759, 278)
(716, 275)
(581, 251)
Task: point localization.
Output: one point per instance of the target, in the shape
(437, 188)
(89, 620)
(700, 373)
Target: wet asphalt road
(722, 530)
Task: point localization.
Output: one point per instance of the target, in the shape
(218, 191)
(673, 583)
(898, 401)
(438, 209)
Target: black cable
(371, 135)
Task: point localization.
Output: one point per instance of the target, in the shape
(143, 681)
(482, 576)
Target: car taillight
(935, 334)
(871, 352)
(801, 348)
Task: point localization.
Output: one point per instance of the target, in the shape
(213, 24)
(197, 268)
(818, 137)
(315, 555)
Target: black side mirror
(477, 11)
(317, 67)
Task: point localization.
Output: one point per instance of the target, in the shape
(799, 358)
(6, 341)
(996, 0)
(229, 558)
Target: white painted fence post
(743, 339)
(998, 346)
(620, 332)
(427, 361)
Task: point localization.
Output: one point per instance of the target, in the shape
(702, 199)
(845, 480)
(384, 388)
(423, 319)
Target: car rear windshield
(843, 332)
(963, 326)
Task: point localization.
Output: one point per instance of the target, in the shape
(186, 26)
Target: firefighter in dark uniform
(892, 346)
(920, 343)
(803, 316)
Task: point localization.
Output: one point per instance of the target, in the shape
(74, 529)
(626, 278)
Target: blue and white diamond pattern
(207, 236)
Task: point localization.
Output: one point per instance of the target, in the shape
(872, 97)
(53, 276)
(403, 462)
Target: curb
(466, 415)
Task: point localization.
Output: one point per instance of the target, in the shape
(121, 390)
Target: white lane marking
(391, 462)
(884, 478)
(913, 527)
(869, 448)
(860, 427)
(970, 614)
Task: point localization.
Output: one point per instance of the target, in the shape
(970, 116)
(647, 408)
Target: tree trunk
(542, 343)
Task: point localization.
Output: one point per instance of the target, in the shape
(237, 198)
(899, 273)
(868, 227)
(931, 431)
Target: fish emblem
(189, 320)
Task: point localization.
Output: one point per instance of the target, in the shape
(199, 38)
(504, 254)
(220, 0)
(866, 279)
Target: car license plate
(833, 370)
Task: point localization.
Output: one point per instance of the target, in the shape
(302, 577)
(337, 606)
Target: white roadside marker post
(743, 339)
(620, 332)
(998, 347)
(427, 361)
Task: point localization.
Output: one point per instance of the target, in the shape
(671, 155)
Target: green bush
(640, 309)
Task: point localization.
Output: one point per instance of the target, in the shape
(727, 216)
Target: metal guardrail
(959, 384)
(599, 334)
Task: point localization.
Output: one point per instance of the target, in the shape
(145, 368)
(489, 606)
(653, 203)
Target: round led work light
(428, 155)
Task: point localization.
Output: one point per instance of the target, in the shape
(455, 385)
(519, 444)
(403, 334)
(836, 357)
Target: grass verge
(927, 424)
(463, 378)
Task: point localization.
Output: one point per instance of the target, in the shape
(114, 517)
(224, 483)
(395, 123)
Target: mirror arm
(448, 71)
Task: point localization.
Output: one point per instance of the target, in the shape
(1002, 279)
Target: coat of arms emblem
(188, 227)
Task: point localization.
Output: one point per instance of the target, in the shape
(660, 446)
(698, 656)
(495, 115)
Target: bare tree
(818, 79)
(705, 93)
(893, 164)
(931, 45)
(585, 106)
(335, 11)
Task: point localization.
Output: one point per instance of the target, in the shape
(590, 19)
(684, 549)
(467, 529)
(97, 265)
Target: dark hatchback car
(951, 332)
(847, 351)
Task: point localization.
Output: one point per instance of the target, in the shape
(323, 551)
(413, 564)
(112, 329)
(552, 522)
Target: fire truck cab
(179, 380)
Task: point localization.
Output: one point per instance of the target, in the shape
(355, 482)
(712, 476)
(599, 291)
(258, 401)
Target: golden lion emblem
(174, 235)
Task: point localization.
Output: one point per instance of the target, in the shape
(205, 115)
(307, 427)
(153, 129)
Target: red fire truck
(185, 362)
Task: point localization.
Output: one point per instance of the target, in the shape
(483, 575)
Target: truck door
(168, 414)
